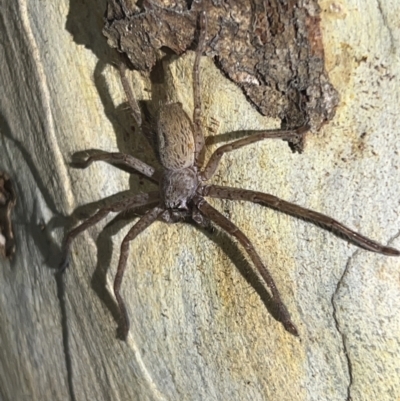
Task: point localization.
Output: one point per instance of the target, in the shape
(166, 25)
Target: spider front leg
(129, 94)
(197, 123)
(214, 215)
(120, 159)
(316, 218)
(215, 158)
(140, 226)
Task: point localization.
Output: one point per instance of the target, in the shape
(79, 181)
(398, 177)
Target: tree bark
(200, 329)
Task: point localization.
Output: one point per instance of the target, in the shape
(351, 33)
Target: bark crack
(387, 26)
(337, 320)
(392, 239)
(337, 324)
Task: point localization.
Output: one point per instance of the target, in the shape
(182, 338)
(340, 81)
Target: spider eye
(182, 205)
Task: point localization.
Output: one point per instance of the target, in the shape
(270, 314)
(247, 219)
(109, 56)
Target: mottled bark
(199, 326)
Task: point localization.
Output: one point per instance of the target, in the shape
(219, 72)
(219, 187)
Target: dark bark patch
(272, 49)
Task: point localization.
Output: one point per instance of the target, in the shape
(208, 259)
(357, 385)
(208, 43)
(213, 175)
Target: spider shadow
(40, 233)
(137, 141)
(105, 248)
(131, 139)
(104, 244)
(245, 268)
(81, 18)
(98, 282)
(141, 145)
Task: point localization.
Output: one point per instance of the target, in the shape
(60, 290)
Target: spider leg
(129, 94)
(140, 226)
(219, 219)
(119, 159)
(197, 123)
(215, 158)
(316, 218)
(135, 201)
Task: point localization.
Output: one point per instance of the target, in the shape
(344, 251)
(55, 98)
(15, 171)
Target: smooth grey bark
(199, 330)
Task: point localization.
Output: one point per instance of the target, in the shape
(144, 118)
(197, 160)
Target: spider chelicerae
(182, 188)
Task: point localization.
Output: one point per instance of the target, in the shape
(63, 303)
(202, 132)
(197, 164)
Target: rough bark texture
(271, 49)
(199, 330)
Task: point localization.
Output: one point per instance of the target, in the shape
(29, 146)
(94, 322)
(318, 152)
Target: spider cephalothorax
(182, 188)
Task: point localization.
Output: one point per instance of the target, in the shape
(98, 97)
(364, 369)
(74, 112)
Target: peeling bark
(271, 49)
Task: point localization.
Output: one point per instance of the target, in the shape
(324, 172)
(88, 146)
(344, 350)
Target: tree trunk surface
(200, 329)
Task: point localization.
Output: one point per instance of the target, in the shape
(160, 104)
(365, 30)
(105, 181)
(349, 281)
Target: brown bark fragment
(272, 49)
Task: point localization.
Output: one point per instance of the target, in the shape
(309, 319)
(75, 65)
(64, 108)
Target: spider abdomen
(175, 137)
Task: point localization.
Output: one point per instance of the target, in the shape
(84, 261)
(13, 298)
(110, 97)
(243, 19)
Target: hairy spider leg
(197, 123)
(120, 159)
(137, 115)
(119, 206)
(316, 218)
(218, 218)
(215, 158)
(144, 222)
